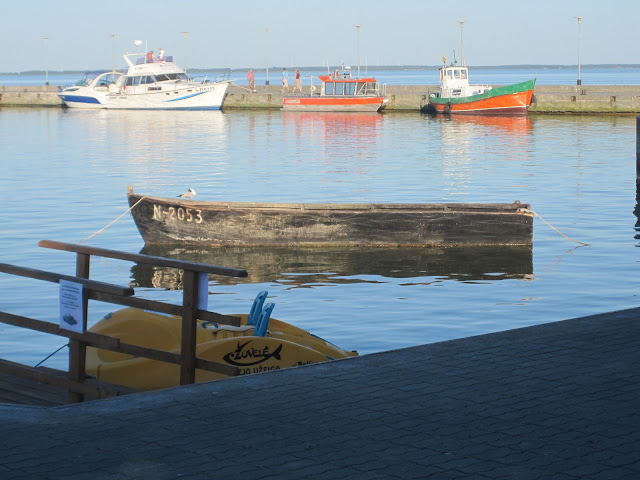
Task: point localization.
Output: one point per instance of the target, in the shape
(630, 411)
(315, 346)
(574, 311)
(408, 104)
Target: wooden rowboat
(163, 220)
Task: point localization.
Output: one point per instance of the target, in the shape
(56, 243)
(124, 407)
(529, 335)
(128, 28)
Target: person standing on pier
(285, 80)
(251, 78)
(297, 82)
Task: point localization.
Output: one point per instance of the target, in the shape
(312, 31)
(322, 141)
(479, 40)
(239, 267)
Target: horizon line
(320, 67)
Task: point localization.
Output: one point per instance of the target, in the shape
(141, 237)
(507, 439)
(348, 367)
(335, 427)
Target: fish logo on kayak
(245, 355)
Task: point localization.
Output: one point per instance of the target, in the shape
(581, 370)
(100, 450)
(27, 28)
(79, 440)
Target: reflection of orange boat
(517, 124)
(356, 126)
(334, 119)
(358, 131)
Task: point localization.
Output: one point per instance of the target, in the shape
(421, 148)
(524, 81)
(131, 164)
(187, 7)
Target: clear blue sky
(400, 32)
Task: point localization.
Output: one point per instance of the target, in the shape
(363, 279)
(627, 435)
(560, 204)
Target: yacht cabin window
(176, 76)
(132, 81)
(349, 88)
(107, 80)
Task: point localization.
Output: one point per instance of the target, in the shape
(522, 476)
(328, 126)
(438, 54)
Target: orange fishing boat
(457, 96)
(340, 92)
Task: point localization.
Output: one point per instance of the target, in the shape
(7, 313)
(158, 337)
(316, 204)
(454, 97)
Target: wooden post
(637, 148)
(77, 348)
(636, 210)
(189, 325)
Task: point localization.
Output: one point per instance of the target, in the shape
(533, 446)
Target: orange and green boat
(457, 96)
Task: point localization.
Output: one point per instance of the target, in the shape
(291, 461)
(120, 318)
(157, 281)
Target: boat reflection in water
(156, 137)
(515, 125)
(358, 131)
(365, 123)
(506, 132)
(300, 267)
(461, 151)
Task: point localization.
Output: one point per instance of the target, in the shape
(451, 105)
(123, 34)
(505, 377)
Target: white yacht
(153, 84)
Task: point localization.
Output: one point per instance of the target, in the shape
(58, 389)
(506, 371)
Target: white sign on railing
(71, 306)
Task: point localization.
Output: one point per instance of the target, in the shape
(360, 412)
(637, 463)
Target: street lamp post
(579, 39)
(184, 36)
(358, 30)
(46, 61)
(113, 50)
(266, 33)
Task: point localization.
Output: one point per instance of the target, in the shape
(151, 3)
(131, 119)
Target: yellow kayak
(260, 344)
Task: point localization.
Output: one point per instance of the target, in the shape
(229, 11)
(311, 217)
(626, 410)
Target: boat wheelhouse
(340, 92)
(456, 95)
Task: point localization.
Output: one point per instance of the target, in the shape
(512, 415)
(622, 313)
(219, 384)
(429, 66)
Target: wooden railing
(94, 290)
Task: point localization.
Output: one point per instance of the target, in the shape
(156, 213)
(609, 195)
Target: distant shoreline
(370, 67)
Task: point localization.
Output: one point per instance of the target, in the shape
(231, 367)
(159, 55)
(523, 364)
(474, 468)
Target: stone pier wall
(596, 99)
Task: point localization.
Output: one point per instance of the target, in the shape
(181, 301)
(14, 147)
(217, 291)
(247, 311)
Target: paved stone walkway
(556, 401)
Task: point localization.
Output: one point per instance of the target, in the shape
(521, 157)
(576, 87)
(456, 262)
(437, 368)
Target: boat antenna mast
(461, 22)
(358, 30)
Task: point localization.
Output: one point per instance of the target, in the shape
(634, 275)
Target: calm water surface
(65, 175)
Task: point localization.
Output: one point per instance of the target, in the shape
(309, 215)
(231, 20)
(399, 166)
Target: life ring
(313, 89)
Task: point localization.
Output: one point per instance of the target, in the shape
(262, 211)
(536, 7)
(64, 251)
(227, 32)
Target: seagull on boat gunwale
(188, 194)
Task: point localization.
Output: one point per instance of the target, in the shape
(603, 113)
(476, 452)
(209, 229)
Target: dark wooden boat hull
(188, 222)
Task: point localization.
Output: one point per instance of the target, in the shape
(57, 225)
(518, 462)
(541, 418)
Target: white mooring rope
(103, 229)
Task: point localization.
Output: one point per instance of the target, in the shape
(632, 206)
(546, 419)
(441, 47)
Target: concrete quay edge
(557, 400)
(585, 99)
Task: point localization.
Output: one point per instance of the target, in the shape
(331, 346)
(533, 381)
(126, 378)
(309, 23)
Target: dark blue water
(65, 175)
